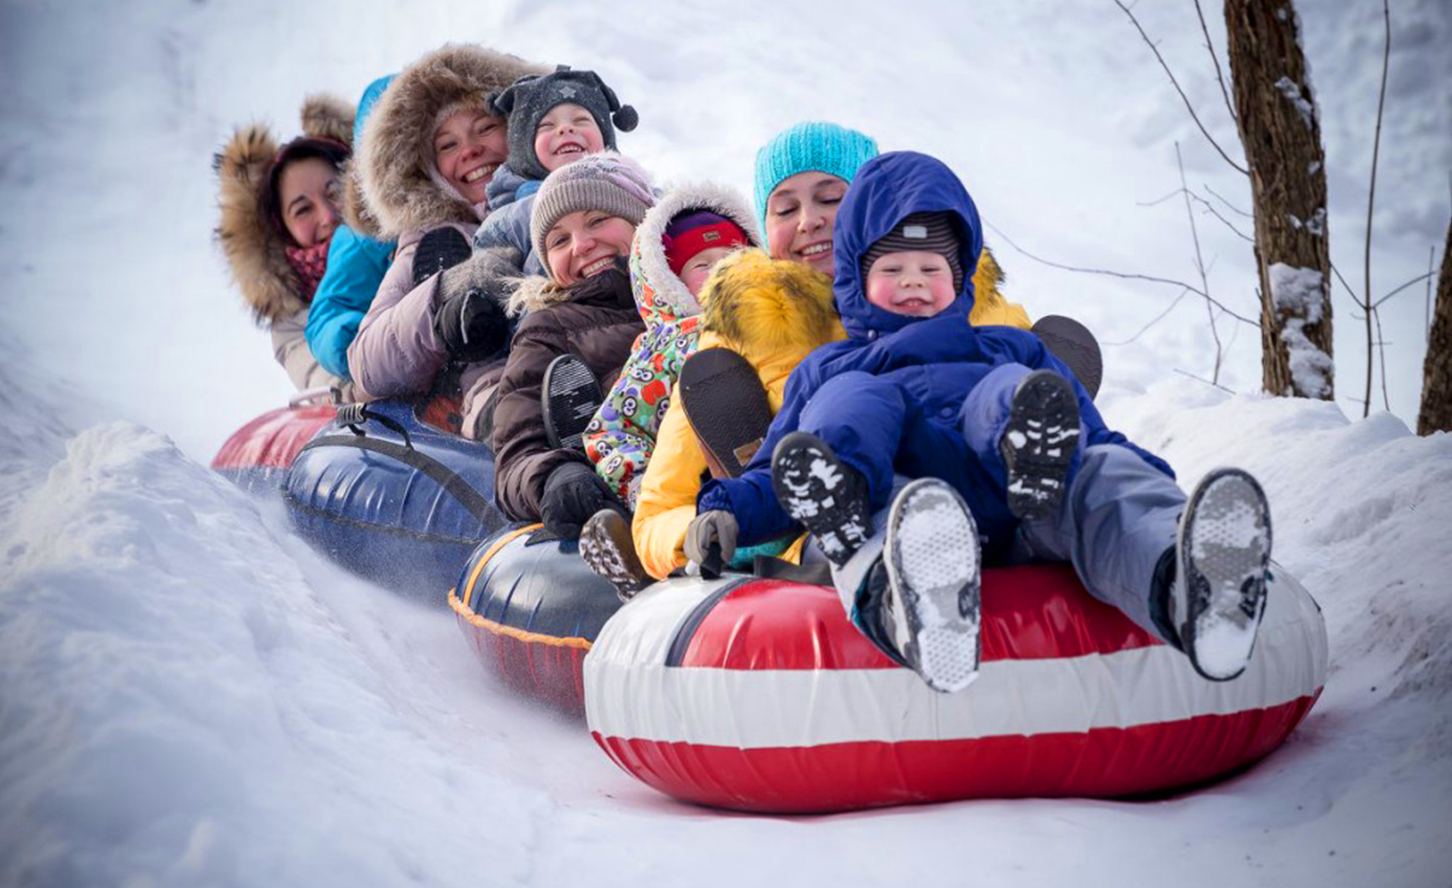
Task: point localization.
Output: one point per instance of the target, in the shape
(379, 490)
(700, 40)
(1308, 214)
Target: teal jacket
(356, 265)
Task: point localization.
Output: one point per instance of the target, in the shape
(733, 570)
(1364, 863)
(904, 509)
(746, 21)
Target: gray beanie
(533, 96)
(606, 181)
(921, 232)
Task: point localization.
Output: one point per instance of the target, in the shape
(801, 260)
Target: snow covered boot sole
(823, 493)
(608, 548)
(1222, 553)
(570, 396)
(440, 249)
(932, 603)
(1071, 342)
(727, 408)
(1039, 443)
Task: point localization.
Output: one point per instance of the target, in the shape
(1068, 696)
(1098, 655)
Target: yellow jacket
(773, 313)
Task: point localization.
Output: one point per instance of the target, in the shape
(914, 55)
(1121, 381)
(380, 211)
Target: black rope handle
(355, 415)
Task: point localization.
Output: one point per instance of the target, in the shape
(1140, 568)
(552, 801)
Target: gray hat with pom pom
(532, 97)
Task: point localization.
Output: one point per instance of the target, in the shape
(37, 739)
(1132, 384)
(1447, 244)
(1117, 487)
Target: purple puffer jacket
(397, 353)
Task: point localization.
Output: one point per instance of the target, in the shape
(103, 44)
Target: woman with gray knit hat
(584, 220)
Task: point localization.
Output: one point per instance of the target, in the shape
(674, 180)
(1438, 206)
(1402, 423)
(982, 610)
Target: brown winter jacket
(256, 252)
(596, 320)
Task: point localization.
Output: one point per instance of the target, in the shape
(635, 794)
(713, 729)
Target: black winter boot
(439, 249)
(823, 493)
(1038, 444)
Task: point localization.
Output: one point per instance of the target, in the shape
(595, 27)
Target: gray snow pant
(1119, 517)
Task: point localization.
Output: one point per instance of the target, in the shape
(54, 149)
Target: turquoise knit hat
(813, 145)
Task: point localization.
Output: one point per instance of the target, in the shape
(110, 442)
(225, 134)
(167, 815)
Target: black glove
(714, 528)
(572, 493)
(470, 318)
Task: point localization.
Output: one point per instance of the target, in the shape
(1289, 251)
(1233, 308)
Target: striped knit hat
(925, 233)
(814, 145)
(606, 181)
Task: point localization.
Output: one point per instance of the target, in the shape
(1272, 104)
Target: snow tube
(531, 608)
(393, 498)
(759, 695)
(257, 456)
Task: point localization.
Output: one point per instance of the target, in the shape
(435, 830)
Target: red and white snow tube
(760, 695)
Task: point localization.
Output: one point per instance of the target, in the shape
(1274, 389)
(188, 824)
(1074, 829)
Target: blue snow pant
(1119, 515)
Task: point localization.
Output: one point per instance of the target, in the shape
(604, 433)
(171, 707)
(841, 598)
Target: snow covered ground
(189, 696)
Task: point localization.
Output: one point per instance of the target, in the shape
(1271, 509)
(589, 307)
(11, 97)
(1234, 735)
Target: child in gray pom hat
(554, 119)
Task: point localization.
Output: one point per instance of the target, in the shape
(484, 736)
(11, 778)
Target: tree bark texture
(1436, 412)
(1280, 129)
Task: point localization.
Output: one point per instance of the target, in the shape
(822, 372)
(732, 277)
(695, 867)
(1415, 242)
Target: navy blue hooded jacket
(937, 360)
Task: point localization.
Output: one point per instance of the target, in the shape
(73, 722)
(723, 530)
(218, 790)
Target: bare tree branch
(1120, 274)
(1209, 208)
(1233, 207)
(1160, 317)
(1416, 280)
(1219, 77)
(1371, 192)
(1204, 380)
(1349, 292)
(1200, 266)
(1381, 348)
(1186, 99)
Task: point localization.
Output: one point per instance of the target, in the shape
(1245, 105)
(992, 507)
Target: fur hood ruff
(392, 189)
(254, 251)
(662, 296)
(763, 306)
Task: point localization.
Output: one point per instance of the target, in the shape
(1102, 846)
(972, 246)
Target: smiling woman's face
(585, 243)
(800, 214)
(468, 147)
(308, 193)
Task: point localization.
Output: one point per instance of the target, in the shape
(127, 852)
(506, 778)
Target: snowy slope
(189, 696)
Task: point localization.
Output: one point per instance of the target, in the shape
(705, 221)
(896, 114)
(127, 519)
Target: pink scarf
(309, 265)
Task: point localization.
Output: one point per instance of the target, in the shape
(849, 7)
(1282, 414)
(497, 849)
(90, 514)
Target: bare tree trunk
(1436, 412)
(1281, 130)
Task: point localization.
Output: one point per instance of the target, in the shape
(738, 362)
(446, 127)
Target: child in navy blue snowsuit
(1010, 452)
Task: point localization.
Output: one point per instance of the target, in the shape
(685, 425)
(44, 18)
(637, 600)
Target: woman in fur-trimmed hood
(276, 248)
(427, 152)
(621, 437)
(773, 312)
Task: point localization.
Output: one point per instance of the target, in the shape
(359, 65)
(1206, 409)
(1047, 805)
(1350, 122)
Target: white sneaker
(1222, 553)
(931, 609)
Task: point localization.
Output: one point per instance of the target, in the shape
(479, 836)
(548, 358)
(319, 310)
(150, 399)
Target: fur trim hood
(763, 307)
(533, 294)
(253, 249)
(660, 295)
(393, 171)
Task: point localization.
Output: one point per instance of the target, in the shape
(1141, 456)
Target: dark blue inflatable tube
(394, 499)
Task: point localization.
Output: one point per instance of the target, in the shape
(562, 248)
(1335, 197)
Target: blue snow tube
(394, 499)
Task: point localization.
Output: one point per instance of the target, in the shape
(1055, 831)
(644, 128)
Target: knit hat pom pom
(625, 119)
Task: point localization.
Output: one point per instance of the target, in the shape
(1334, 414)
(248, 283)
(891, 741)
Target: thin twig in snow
(1209, 208)
(1219, 77)
(1186, 99)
